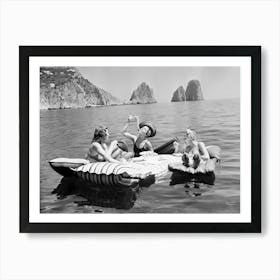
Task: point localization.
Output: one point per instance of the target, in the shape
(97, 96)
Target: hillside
(65, 87)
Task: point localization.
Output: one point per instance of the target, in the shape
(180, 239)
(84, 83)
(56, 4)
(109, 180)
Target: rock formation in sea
(142, 95)
(65, 87)
(193, 91)
(179, 95)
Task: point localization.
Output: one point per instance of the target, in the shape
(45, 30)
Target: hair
(99, 134)
(191, 134)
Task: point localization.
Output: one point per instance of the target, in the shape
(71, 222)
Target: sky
(216, 82)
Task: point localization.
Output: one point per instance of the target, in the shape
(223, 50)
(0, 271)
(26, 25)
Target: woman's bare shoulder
(95, 145)
(148, 145)
(202, 148)
(201, 144)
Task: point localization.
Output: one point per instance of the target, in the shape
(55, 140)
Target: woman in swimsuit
(194, 150)
(140, 141)
(99, 151)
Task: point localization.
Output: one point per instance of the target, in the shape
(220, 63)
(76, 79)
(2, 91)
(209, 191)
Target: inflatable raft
(204, 166)
(204, 173)
(66, 166)
(135, 171)
(108, 197)
(116, 174)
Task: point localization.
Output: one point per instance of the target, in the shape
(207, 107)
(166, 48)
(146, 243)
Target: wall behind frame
(139, 256)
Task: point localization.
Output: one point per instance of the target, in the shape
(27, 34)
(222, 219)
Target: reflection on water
(200, 178)
(194, 184)
(102, 196)
(67, 133)
(125, 197)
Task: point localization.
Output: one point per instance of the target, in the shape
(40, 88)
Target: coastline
(97, 106)
(126, 104)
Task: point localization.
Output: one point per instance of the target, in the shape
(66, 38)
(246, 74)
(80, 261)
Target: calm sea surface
(68, 133)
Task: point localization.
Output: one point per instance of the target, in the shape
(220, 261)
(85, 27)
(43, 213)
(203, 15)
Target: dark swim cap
(151, 126)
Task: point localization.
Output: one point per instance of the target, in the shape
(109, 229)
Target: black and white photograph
(141, 135)
(139, 139)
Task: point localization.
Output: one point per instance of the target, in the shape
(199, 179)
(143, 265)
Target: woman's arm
(148, 146)
(203, 150)
(138, 122)
(112, 147)
(107, 156)
(127, 134)
(176, 146)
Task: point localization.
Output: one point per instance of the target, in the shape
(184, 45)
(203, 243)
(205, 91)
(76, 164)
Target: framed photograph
(140, 139)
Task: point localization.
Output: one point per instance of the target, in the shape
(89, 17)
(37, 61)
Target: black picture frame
(254, 52)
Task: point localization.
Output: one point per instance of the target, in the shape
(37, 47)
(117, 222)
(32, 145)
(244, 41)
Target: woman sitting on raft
(99, 151)
(140, 141)
(194, 150)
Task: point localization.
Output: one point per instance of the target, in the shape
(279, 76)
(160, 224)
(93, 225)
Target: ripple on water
(67, 133)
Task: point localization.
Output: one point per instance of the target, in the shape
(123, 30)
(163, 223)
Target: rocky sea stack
(65, 87)
(193, 91)
(142, 95)
(179, 95)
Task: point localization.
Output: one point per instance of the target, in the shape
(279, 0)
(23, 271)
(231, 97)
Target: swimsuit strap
(137, 150)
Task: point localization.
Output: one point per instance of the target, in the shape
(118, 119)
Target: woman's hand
(131, 118)
(176, 146)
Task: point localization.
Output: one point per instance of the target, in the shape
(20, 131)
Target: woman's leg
(186, 160)
(116, 152)
(196, 160)
(112, 147)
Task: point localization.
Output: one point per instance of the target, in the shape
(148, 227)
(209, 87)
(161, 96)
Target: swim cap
(151, 126)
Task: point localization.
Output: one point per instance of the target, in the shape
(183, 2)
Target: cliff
(142, 95)
(179, 95)
(193, 91)
(65, 87)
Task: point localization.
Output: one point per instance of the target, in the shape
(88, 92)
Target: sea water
(68, 133)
